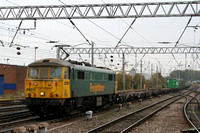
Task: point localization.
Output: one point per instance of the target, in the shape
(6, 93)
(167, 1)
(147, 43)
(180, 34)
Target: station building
(12, 79)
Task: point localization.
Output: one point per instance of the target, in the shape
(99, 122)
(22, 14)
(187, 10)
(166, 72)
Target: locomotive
(54, 86)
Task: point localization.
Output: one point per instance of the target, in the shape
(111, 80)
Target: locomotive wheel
(59, 112)
(42, 112)
(67, 108)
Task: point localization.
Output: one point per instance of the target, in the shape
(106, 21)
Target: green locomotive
(58, 86)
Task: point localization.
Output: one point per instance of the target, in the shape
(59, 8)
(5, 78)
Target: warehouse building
(12, 79)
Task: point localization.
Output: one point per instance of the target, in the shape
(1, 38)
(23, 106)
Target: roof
(50, 62)
(86, 68)
(58, 62)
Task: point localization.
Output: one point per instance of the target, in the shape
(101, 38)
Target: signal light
(34, 94)
(36, 84)
(29, 83)
(56, 83)
(49, 84)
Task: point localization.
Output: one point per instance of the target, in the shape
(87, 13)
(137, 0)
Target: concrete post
(32, 128)
(123, 72)
(92, 54)
(19, 130)
(43, 127)
(141, 74)
(58, 53)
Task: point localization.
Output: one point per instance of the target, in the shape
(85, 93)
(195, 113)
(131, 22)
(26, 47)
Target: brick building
(11, 78)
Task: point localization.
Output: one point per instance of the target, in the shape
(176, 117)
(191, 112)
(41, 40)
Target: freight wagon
(172, 83)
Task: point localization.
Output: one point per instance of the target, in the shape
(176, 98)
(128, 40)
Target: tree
(148, 84)
(128, 82)
(160, 80)
(136, 81)
(185, 75)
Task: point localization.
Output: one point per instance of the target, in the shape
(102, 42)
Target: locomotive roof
(50, 62)
(86, 68)
(57, 62)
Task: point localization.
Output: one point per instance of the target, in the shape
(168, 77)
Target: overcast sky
(145, 32)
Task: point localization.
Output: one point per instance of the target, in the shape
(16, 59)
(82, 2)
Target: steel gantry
(134, 50)
(127, 10)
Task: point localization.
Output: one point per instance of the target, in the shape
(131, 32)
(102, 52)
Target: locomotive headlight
(42, 93)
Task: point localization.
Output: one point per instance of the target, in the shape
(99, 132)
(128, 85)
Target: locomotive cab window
(55, 72)
(81, 75)
(33, 72)
(44, 72)
(110, 77)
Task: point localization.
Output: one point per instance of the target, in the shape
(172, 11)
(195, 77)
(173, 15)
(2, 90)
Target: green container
(172, 83)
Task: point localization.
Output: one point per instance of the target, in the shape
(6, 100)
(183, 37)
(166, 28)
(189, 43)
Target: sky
(145, 32)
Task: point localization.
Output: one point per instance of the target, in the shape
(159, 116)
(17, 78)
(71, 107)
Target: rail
(12, 107)
(186, 113)
(102, 127)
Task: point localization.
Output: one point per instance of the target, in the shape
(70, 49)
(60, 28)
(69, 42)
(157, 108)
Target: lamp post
(35, 53)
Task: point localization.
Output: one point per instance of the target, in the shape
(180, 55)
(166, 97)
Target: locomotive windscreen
(44, 72)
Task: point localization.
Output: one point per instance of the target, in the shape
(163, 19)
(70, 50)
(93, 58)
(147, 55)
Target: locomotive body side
(89, 81)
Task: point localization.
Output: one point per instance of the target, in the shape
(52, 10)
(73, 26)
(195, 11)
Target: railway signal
(18, 52)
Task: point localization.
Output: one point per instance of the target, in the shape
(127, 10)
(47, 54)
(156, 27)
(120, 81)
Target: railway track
(12, 108)
(4, 103)
(12, 113)
(192, 113)
(127, 122)
(9, 126)
(11, 116)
